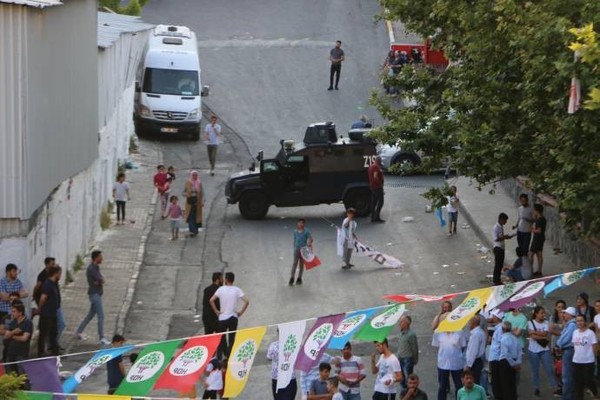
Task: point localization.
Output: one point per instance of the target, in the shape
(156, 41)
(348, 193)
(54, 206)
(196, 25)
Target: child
(174, 212)
(521, 269)
(452, 208)
(121, 195)
(162, 185)
(214, 379)
(332, 386)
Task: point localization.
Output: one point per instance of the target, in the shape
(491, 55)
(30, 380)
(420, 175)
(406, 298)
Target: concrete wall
(581, 252)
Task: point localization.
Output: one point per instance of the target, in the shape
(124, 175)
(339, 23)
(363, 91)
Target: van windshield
(171, 81)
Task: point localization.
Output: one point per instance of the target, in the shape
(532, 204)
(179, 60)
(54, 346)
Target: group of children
(169, 205)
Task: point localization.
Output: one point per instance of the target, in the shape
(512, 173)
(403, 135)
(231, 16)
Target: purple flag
(316, 342)
(43, 375)
(524, 296)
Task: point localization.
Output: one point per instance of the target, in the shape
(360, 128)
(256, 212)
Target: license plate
(168, 130)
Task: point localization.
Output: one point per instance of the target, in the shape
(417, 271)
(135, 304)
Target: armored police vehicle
(324, 169)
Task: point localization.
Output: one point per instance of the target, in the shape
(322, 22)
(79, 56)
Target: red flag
(574, 95)
(185, 369)
(310, 260)
(407, 298)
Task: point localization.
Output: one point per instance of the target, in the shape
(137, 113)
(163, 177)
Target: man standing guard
(336, 56)
(376, 185)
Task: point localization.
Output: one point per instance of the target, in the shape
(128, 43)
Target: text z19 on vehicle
(324, 169)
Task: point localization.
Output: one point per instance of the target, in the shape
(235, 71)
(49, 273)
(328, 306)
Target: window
(171, 81)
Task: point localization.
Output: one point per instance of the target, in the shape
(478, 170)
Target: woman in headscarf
(194, 194)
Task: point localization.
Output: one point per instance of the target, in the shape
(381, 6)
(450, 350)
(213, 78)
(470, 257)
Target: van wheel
(254, 205)
(360, 200)
(196, 134)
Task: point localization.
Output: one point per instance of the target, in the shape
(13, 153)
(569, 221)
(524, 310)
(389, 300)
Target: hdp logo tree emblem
(464, 308)
(507, 290)
(381, 320)
(146, 367)
(289, 347)
(318, 338)
(92, 366)
(189, 361)
(348, 324)
(243, 355)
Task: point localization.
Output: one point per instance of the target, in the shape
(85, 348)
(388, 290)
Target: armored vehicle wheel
(360, 200)
(254, 205)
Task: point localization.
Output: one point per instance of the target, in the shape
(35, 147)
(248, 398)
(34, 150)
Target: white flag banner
(380, 258)
(290, 341)
(340, 243)
(574, 96)
(502, 293)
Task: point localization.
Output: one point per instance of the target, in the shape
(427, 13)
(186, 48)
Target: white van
(168, 94)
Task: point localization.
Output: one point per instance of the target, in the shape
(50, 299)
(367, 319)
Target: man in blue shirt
(115, 370)
(511, 355)
(363, 122)
(494, 356)
(566, 346)
(475, 349)
(302, 238)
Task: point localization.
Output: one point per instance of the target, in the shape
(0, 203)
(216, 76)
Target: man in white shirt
(212, 134)
(450, 360)
(523, 225)
(475, 349)
(499, 237)
(228, 296)
(348, 229)
(388, 372)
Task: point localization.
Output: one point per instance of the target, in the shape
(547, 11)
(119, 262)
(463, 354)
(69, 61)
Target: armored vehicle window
(295, 159)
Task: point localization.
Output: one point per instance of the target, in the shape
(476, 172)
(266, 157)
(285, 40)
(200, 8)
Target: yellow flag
(240, 361)
(459, 317)
(101, 397)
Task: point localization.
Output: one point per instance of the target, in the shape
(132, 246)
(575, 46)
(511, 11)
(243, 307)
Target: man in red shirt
(376, 185)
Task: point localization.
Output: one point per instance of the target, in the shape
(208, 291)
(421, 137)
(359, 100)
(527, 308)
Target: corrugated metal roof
(111, 26)
(34, 3)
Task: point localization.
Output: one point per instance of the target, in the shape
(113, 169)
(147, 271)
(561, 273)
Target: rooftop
(111, 26)
(34, 3)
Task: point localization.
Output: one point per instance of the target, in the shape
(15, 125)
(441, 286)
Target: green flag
(147, 368)
(380, 326)
(34, 396)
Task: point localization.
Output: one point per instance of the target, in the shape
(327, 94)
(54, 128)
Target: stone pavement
(123, 248)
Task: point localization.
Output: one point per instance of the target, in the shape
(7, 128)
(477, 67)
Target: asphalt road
(266, 62)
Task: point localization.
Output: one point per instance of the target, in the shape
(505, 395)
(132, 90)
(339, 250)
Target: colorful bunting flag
(501, 293)
(525, 295)
(459, 317)
(34, 396)
(310, 259)
(379, 327)
(101, 397)
(242, 356)
(290, 338)
(187, 367)
(408, 298)
(317, 340)
(567, 279)
(350, 325)
(99, 359)
(147, 368)
(43, 375)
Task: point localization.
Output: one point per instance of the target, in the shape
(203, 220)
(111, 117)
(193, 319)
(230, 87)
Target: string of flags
(178, 364)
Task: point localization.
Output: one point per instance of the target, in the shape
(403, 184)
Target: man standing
(212, 134)
(302, 238)
(412, 392)
(498, 238)
(349, 236)
(351, 373)
(475, 350)
(450, 360)
(376, 185)
(37, 293)
(49, 305)
(9, 284)
(494, 356)
(336, 56)
(388, 372)
(511, 355)
(115, 369)
(95, 291)
(17, 338)
(524, 222)
(209, 318)
(228, 297)
(408, 348)
(565, 342)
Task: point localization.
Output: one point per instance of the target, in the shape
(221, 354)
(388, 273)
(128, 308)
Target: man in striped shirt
(351, 373)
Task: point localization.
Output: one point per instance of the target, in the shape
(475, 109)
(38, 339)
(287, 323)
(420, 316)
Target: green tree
(10, 384)
(588, 50)
(134, 7)
(499, 111)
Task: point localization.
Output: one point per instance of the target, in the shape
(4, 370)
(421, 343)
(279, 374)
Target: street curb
(485, 240)
(122, 314)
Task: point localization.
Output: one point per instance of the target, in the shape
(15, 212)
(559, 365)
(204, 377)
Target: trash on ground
(408, 219)
(445, 266)
(483, 249)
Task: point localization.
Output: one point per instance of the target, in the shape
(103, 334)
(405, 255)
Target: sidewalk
(123, 249)
(480, 210)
